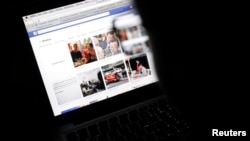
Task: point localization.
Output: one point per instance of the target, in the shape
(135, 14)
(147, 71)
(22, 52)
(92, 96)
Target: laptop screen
(80, 57)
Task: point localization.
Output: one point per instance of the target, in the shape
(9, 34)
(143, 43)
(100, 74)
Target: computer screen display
(81, 59)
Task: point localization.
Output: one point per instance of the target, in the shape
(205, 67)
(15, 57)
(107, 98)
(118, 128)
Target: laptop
(90, 74)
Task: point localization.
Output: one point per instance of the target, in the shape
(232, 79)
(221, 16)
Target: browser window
(80, 57)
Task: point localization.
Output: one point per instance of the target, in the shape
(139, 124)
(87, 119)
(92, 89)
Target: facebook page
(82, 61)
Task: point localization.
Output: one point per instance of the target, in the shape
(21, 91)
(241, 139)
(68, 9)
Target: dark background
(25, 109)
(215, 73)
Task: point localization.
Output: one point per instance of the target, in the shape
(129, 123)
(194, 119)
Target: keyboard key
(131, 137)
(124, 131)
(72, 136)
(150, 129)
(83, 134)
(103, 138)
(143, 122)
(93, 130)
(114, 123)
(113, 135)
(104, 127)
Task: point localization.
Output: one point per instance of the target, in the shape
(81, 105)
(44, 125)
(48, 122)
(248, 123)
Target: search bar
(72, 23)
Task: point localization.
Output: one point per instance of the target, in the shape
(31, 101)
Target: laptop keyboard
(153, 121)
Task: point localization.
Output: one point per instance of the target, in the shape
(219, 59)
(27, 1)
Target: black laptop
(99, 84)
